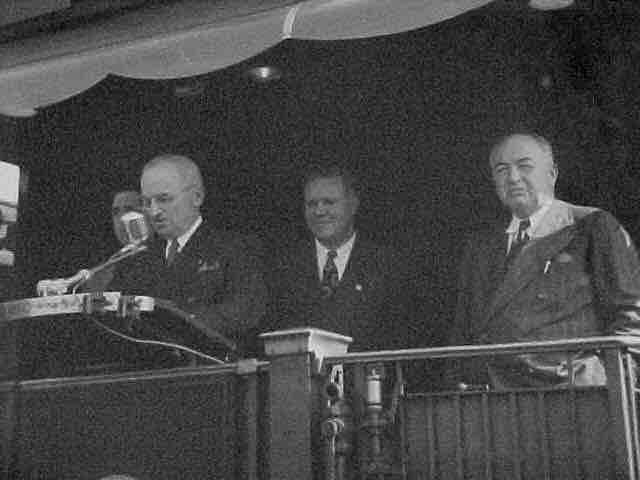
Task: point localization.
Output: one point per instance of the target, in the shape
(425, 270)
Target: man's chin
(521, 207)
(162, 231)
(323, 232)
(325, 238)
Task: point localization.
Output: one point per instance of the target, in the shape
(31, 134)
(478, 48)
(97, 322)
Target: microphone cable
(159, 343)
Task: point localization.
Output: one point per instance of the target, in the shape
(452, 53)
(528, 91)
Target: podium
(55, 336)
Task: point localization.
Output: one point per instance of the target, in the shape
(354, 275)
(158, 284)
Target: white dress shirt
(184, 238)
(342, 258)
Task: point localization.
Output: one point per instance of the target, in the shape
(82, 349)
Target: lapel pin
(358, 287)
(203, 266)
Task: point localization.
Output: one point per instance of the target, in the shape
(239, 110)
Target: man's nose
(152, 208)
(513, 175)
(320, 209)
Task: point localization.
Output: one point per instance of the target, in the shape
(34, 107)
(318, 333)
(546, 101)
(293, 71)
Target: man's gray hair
(188, 169)
(542, 142)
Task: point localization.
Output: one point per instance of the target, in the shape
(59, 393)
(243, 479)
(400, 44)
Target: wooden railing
(186, 423)
(552, 432)
(314, 411)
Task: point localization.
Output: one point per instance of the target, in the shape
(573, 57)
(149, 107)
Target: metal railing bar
(459, 437)
(400, 414)
(576, 466)
(515, 429)
(432, 448)
(138, 376)
(629, 365)
(544, 434)
(462, 351)
(486, 433)
(505, 391)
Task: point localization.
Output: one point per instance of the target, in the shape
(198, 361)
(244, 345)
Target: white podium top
(69, 304)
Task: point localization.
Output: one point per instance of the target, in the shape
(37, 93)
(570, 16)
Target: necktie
(520, 239)
(330, 276)
(172, 252)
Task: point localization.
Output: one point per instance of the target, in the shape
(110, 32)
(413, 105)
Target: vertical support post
(295, 357)
(8, 401)
(620, 414)
(9, 365)
(247, 420)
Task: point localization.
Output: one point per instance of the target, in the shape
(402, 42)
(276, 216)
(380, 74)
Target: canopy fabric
(192, 38)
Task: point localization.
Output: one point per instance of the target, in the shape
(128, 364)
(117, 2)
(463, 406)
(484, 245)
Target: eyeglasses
(164, 199)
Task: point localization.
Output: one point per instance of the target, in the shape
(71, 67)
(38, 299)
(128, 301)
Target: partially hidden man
(554, 271)
(212, 274)
(123, 202)
(339, 280)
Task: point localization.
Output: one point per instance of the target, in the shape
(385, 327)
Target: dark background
(414, 114)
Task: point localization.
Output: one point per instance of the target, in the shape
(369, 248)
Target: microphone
(137, 231)
(136, 227)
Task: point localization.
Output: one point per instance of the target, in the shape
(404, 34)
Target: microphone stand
(126, 252)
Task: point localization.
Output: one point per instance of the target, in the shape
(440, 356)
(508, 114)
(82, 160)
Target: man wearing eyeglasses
(212, 275)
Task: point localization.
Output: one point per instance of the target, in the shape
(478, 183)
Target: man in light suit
(338, 280)
(554, 271)
(214, 276)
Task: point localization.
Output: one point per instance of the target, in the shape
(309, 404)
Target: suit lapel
(190, 258)
(496, 258)
(307, 266)
(559, 229)
(351, 275)
(353, 267)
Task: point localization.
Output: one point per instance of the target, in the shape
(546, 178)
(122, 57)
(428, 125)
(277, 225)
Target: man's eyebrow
(499, 164)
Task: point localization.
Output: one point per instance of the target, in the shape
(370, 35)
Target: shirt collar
(341, 251)
(184, 238)
(535, 218)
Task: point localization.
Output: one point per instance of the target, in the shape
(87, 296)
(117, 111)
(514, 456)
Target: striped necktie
(172, 252)
(330, 277)
(520, 239)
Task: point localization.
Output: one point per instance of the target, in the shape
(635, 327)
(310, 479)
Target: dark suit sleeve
(396, 325)
(460, 332)
(470, 288)
(616, 273)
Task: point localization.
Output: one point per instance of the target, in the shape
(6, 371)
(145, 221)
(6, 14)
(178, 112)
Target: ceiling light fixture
(189, 88)
(17, 111)
(264, 73)
(550, 4)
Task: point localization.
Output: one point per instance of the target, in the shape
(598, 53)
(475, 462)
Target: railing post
(620, 415)
(295, 358)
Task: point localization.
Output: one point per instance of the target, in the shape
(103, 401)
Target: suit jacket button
(541, 295)
(191, 300)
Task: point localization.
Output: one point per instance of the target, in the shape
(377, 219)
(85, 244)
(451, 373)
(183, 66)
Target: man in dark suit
(338, 280)
(555, 271)
(212, 275)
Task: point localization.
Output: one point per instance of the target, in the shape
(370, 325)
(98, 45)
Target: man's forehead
(123, 199)
(327, 185)
(519, 148)
(162, 178)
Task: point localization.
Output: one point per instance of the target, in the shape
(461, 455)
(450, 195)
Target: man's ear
(554, 172)
(355, 203)
(198, 197)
